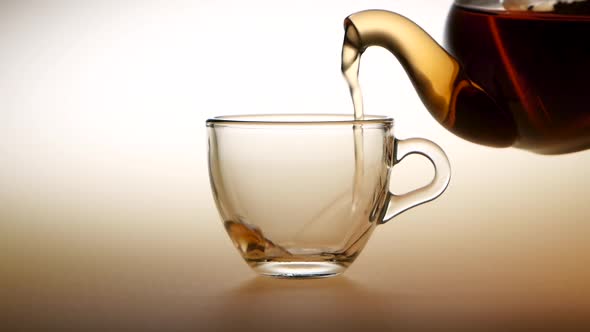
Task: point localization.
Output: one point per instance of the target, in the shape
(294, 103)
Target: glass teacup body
(300, 195)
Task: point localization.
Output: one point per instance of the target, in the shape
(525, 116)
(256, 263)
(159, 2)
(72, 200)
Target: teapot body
(534, 61)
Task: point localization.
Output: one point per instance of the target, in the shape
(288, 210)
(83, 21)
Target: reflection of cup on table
(268, 304)
(301, 194)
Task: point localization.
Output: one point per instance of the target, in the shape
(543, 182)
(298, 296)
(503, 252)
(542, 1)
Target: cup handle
(442, 175)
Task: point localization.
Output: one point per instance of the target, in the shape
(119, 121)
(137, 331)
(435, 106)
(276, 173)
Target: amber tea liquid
(522, 82)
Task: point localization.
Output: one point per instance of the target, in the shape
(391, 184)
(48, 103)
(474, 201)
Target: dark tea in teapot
(536, 64)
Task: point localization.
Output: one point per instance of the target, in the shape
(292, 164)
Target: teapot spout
(456, 102)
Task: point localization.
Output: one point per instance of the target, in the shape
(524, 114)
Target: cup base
(299, 270)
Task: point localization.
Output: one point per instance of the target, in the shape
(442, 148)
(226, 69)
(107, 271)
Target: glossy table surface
(186, 276)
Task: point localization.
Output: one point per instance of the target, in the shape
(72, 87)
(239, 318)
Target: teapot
(514, 72)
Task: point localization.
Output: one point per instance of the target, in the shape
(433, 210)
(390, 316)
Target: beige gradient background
(106, 216)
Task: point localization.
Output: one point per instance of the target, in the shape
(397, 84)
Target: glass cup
(300, 195)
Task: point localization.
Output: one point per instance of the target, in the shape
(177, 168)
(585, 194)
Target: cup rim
(298, 119)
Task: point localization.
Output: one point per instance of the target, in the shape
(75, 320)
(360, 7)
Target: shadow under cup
(300, 195)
